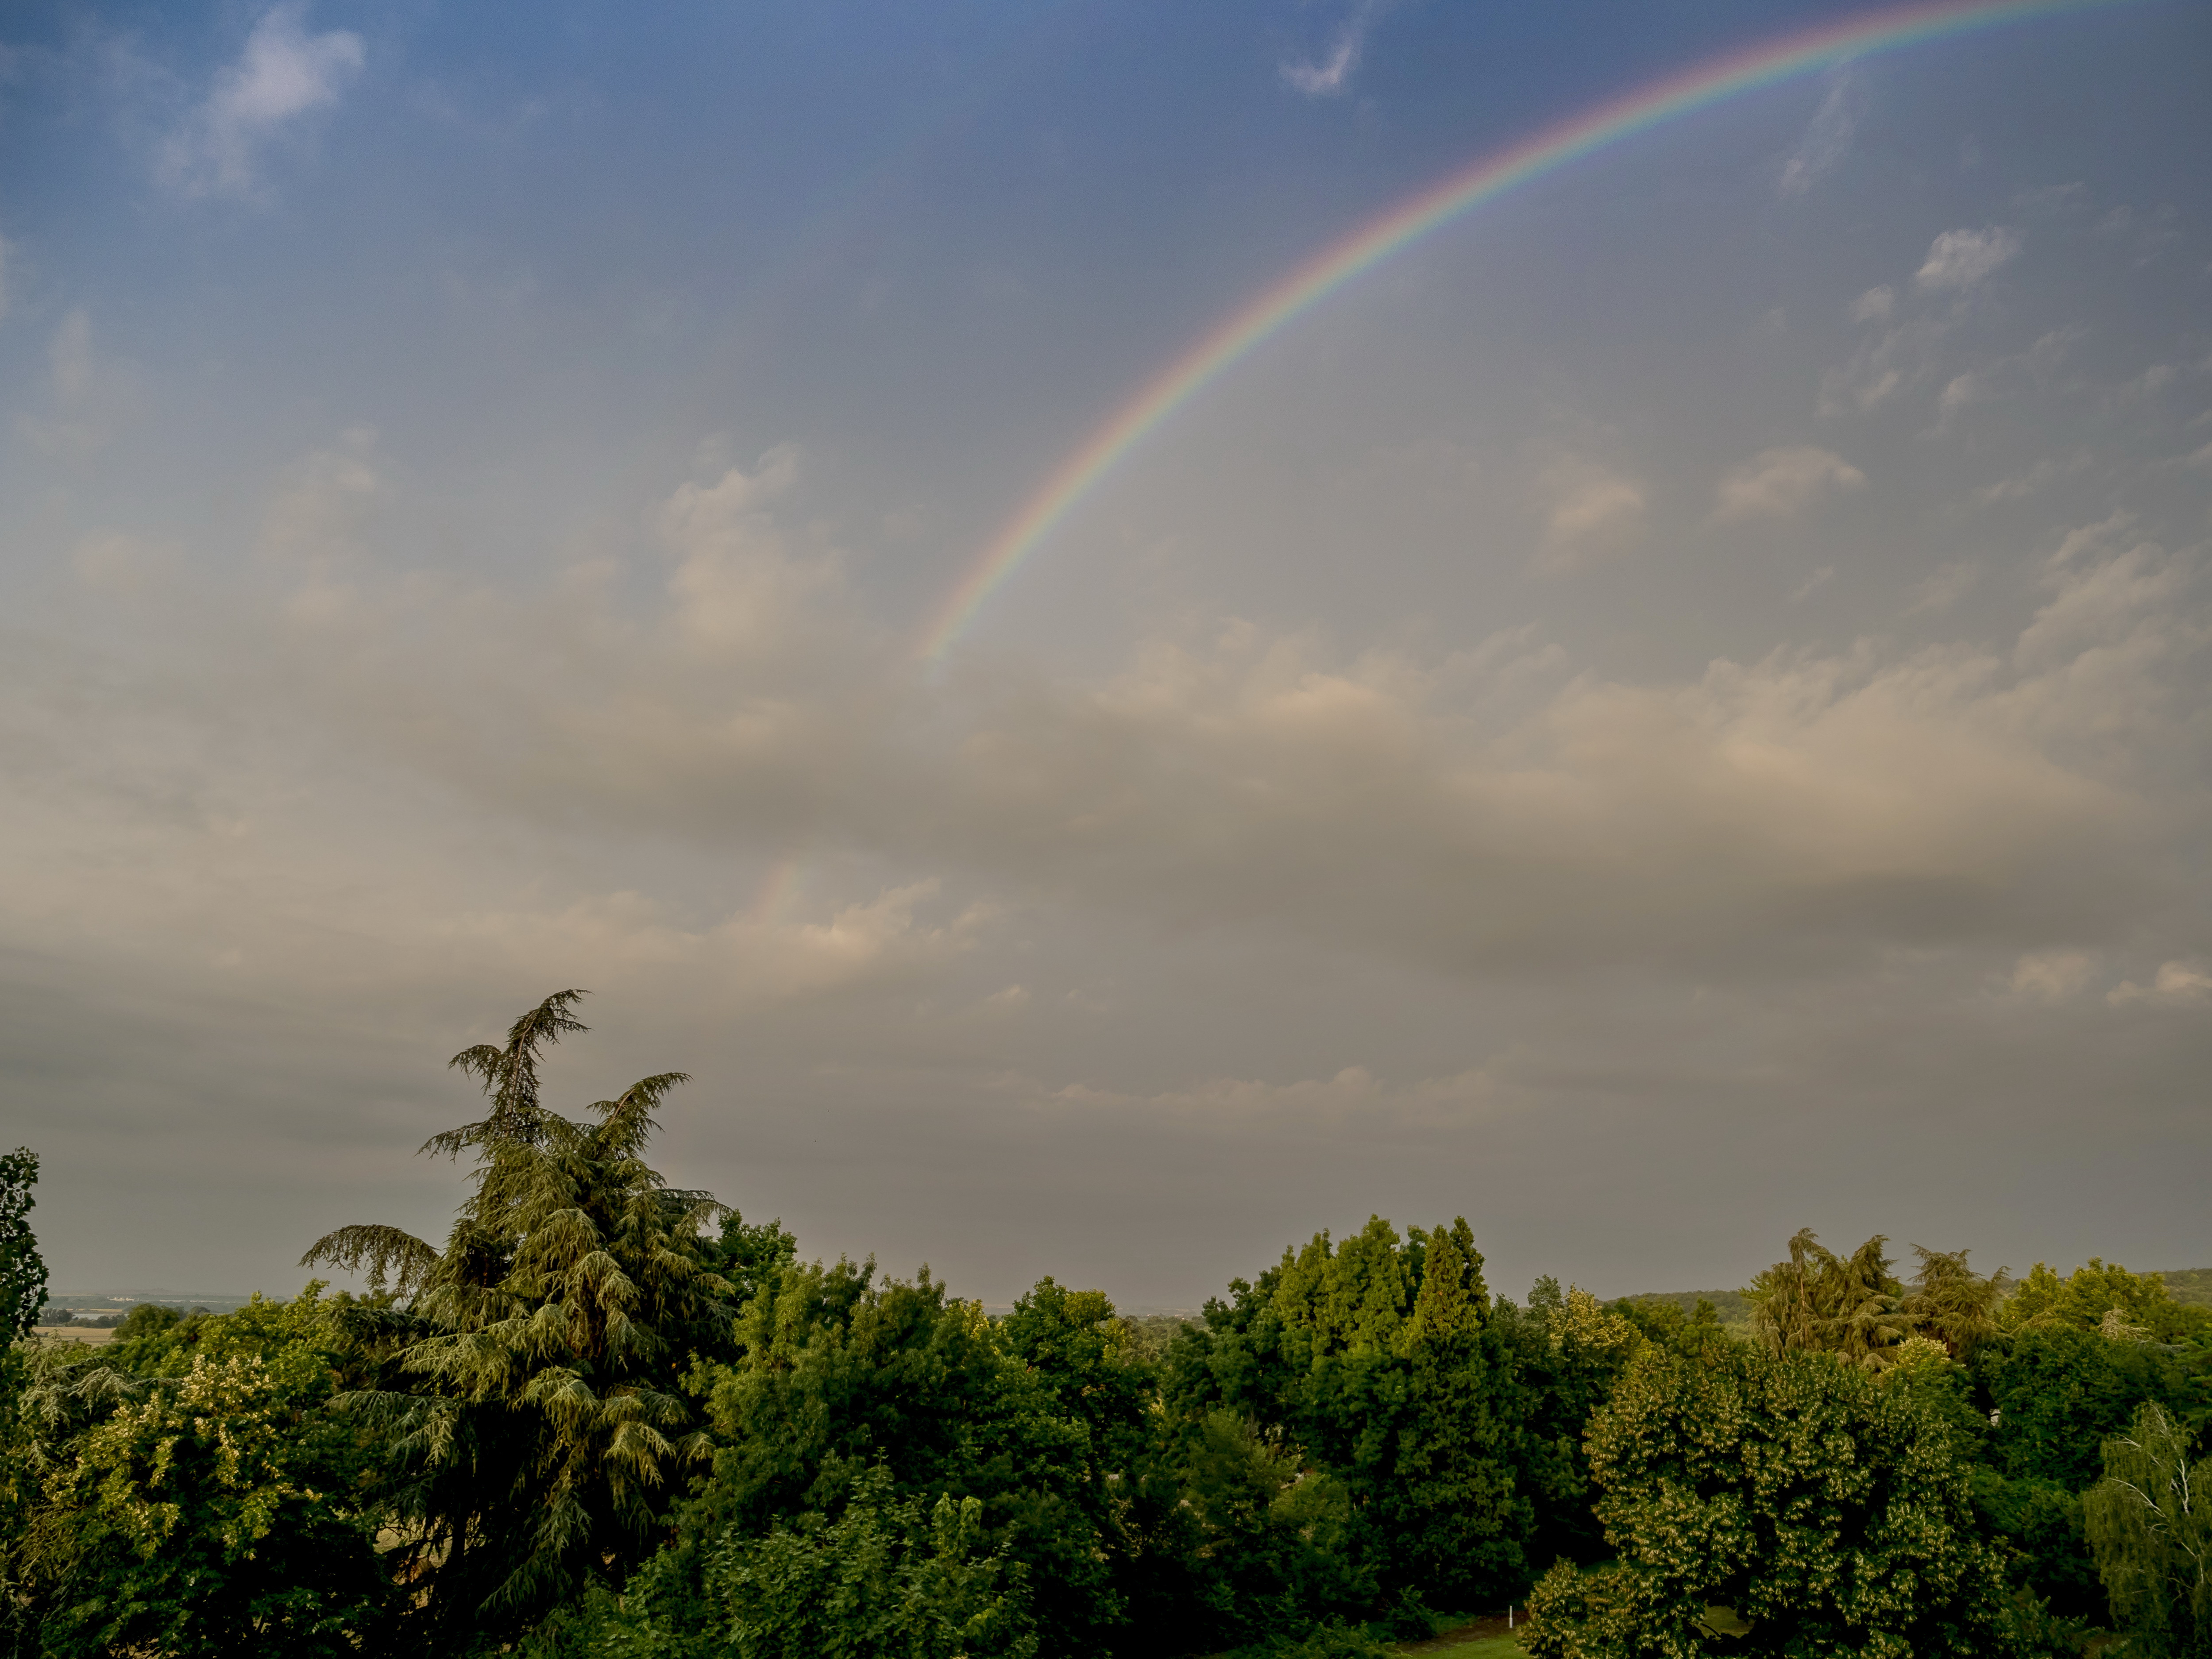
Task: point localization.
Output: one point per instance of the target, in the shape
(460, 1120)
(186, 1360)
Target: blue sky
(1670, 712)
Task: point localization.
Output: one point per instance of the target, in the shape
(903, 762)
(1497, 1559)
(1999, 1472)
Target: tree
(1381, 1361)
(838, 1373)
(888, 1578)
(1829, 1515)
(2150, 1524)
(1817, 1302)
(1951, 1303)
(23, 1296)
(209, 1510)
(528, 1395)
(22, 1271)
(2110, 1300)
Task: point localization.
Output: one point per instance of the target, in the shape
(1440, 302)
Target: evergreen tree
(529, 1390)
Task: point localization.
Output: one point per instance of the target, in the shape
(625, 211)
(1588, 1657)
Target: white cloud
(2177, 985)
(1876, 305)
(1588, 507)
(283, 74)
(1827, 138)
(1329, 75)
(1960, 259)
(1783, 481)
(2051, 976)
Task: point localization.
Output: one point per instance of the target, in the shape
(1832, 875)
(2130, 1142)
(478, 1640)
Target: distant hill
(1734, 1311)
(2190, 1286)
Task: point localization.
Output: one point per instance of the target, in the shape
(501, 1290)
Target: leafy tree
(1379, 1359)
(2110, 1300)
(527, 1392)
(22, 1271)
(2058, 1392)
(2150, 1524)
(1567, 1354)
(211, 1511)
(1829, 1515)
(23, 1296)
(1034, 1419)
(887, 1579)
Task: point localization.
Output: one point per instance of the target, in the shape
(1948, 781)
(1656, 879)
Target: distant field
(92, 1334)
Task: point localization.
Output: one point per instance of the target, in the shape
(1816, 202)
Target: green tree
(2150, 1524)
(1818, 1302)
(215, 1508)
(2110, 1300)
(1831, 1515)
(22, 1270)
(528, 1390)
(888, 1578)
(1379, 1359)
(2059, 1392)
(1037, 1418)
(1951, 1303)
(23, 1296)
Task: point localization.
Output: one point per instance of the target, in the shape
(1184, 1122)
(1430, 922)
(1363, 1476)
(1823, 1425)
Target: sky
(1670, 709)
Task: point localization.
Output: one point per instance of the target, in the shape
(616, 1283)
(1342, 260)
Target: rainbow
(1400, 227)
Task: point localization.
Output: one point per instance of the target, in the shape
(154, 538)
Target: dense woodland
(607, 1416)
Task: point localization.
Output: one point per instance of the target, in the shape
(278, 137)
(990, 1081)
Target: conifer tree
(529, 1391)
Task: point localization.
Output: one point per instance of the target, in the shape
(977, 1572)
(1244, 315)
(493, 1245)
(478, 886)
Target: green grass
(1484, 1647)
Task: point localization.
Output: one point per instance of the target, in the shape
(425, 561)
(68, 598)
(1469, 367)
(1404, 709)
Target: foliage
(2111, 1300)
(212, 1511)
(1856, 1308)
(526, 1392)
(2150, 1524)
(839, 1376)
(22, 1271)
(1831, 1514)
(1379, 1360)
(1953, 1304)
(888, 1579)
(2058, 1391)
(1818, 1302)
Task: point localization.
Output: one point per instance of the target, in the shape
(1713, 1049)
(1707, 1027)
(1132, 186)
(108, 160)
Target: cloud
(1473, 811)
(90, 395)
(1783, 481)
(1876, 305)
(1588, 507)
(2051, 976)
(1827, 138)
(2177, 985)
(1959, 259)
(7, 260)
(1942, 588)
(284, 73)
(1329, 74)
(1353, 1095)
